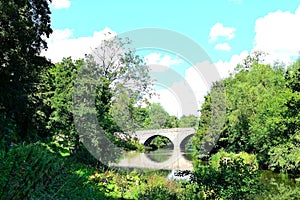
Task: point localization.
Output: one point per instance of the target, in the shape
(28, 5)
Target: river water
(159, 159)
(173, 160)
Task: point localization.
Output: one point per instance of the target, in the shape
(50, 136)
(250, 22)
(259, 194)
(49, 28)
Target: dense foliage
(262, 116)
(34, 172)
(24, 26)
(261, 122)
(233, 179)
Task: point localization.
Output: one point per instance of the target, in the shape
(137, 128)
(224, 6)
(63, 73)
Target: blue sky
(226, 29)
(192, 18)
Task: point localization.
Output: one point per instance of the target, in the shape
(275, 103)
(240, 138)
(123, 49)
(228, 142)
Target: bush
(158, 193)
(231, 179)
(282, 192)
(192, 191)
(117, 184)
(285, 158)
(33, 172)
(223, 156)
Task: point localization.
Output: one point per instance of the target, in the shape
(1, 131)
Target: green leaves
(61, 81)
(262, 114)
(232, 178)
(34, 172)
(24, 26)
(188, 121)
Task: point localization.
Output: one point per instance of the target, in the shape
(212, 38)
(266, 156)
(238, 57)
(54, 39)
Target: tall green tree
(172, 122)
(256, 102)
(61, 80)
(119, 70)
(24, 26)
(140, 114)
(285, 155)
(211, 122)
(109, 70)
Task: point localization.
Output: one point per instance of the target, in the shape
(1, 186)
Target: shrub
(231, 179)
(113, 183)
(223, 156)
(158, 193)
(33, 172)
(282, 192)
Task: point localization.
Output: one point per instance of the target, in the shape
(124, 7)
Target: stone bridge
(178, 136)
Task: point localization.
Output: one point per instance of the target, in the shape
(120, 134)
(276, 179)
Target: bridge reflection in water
(168, 159)
(173, 159)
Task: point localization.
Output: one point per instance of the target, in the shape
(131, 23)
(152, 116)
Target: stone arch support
(175, 135)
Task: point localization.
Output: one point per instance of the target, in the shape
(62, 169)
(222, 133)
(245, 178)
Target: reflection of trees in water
(159, 155)
(188, 154)
(186, 147)
(160, 148)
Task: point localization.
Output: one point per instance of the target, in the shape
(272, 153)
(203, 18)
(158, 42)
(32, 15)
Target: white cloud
(225, 68)
(182, 94)
(169, 101)
(198, 84)
(152, 58)
(278, 34)
(178, 99)
(199, 78)
(59, 4)
(59, 35)
(223, 47)
(156, 58)
(62, 44)
(219, 30)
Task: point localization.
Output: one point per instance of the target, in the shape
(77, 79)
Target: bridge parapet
(169, 130)
(175, 135)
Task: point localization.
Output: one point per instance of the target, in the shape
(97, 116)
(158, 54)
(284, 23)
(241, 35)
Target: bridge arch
(175, 135)
(151, 138)
(178, 136)
(185, 141)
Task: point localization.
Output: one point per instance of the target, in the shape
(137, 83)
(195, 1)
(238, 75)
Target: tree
(122, 113)
(172, 122)
(211, 123)
(107, 72)
(256, 57)
(157, 116)
(24, 26)
(285, 156)
(119, 71)
(293, 76)
(262, 116)
(140, 114)
(61, 79)
(256, 102)
(188, 121)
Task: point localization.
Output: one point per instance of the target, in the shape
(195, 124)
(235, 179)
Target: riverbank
(36, 172)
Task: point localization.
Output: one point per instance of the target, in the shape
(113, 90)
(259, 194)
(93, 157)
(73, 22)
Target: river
(170, 159)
